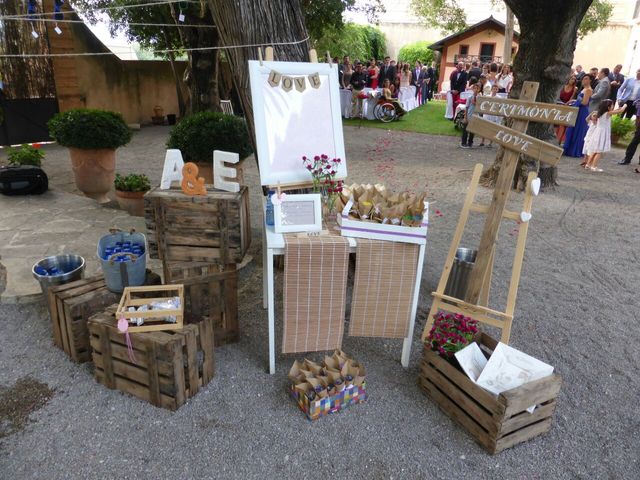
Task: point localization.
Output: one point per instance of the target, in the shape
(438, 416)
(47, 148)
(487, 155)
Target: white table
(272, 245)
(346, 107)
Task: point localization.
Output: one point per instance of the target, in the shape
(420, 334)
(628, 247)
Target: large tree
(548, 33)
(159, 28)
(259, 22)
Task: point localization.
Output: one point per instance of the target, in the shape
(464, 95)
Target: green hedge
(413, 52)
(89, 129)
(360, 42)
(198, 135)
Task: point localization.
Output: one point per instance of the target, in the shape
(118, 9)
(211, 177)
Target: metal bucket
(460, 272)
(130, 273)
(71, 266)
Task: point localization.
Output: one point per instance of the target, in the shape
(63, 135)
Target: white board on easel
(291, 124)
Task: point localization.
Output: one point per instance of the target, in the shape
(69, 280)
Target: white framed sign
(296, 108)
(298, 213)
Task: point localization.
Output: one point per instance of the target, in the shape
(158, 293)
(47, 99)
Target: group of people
(388, 76)
(477, 80)
(599, 95)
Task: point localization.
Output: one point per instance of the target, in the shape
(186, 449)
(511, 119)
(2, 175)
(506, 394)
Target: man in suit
(431, 84)
(387, 71)
(616, 79)
(458, 80)
(358, 82)
(628, 93)
(417, 71)
(475, 70)
(601, 91)
(594, 74)
(631, 149)
(580, 73)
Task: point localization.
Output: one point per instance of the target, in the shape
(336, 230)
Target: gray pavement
(576, 310)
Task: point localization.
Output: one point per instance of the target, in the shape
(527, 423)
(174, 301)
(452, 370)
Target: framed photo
(296, 108)
(298, 213)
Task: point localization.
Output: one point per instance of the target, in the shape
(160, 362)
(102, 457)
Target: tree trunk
(176, 77)
(201, 75)
(248, 22)
(508, 37)
(548, 33)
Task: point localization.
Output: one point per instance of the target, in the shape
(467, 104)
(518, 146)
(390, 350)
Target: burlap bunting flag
(315, 285)
(383, 289)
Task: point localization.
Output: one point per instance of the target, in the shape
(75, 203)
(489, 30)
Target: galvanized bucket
(460, 272)
(122, 268)
(70, 268)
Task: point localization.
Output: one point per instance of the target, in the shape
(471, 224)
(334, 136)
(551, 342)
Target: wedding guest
(458, 81)
(594, 74)
(492, 78)
(340, 70)
(475, 70)
(388, 95)
(431, 84)
(580, 73)
(358, 82)
(505, 80)
(633, 145)
(616, 79)
(574, 138)
(423, 81)
(405, 76)
(387, 71)
(600, 91)
(347, 71)
(599, 141)
(567, 94)
(467, 137)
(492, 118)
(374, 73)
(628, 93)
(416, 72)
(485, 69)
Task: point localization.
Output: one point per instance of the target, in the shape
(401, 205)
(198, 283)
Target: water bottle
(269, 213)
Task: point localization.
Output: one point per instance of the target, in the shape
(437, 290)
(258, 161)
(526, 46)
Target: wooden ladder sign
(515, 142)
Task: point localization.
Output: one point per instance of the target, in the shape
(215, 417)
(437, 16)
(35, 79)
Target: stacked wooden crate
(164, 368)
(200, 240)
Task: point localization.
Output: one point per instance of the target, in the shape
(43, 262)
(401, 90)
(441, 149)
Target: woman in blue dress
(574, 140)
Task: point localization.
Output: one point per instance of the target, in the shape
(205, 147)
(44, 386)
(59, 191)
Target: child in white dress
(492, 118)
(592, 121)
(599, 141)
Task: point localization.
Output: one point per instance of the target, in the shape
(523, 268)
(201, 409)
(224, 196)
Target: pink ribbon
(123, 327)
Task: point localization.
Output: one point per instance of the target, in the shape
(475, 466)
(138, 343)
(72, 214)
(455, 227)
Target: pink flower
(316, 158)
(309, 167)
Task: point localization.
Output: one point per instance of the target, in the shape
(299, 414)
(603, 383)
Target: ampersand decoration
(191, 184)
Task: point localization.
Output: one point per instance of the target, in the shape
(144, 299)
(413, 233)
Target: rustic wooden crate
(213, 228)
(209, 291)
(495, 422)
(170, 367)
(153, 322)
(70, 306)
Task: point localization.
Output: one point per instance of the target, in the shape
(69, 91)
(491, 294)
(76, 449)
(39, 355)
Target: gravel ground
(576, 309)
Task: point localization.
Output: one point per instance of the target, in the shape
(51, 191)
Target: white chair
(227, 107)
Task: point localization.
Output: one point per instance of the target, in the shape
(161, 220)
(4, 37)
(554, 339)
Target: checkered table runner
(315, 285)
(383, 288)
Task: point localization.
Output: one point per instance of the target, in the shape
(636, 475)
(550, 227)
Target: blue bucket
(123, 257)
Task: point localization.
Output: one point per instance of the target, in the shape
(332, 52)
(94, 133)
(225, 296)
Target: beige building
(616, 43)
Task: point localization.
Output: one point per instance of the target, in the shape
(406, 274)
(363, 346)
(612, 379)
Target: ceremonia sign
(523, 110)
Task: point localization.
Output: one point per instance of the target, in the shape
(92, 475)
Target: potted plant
(198, 135)
(92, 137)
(129, 192)
(26, 155)
(620, 128)
(451, 333)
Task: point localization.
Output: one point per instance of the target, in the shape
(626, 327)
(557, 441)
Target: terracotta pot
(132, 202)
(94, 171)
(615, 138)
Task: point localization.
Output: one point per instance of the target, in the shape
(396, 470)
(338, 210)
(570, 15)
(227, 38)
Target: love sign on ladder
(515, 142)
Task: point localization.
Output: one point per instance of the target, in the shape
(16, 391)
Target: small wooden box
(71, 305)
(213, 228)
(209, 291)
(496, 422)
(153, 319)
(169, 367)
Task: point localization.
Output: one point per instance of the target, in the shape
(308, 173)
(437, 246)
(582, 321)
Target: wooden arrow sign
(523, 110)
(517, 141)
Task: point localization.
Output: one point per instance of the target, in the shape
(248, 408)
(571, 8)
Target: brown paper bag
(318, 387)
(313, 367)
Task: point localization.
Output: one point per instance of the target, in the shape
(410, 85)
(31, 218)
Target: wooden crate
(209, 291)
(170, 367)
(214, 228)
(71, 304)
(495, 422)
(153, 319)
